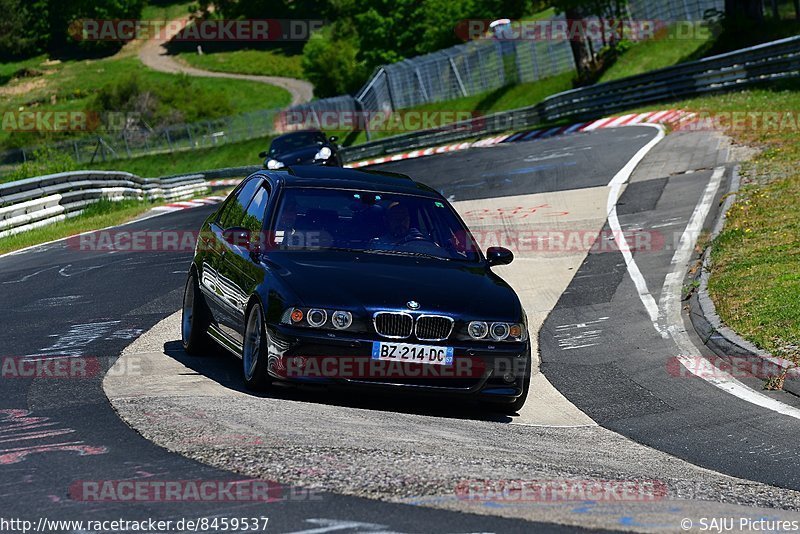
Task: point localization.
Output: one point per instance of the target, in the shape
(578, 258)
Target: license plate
(405, 352)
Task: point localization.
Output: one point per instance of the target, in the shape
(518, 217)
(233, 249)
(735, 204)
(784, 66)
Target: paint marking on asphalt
(670, 306)
(29, 276)
(615, 186)
(336, 525)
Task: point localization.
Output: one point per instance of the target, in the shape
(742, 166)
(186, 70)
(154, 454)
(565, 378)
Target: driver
(398, 222)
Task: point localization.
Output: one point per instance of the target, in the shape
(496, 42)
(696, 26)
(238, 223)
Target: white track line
(615, 186)
(688, 354)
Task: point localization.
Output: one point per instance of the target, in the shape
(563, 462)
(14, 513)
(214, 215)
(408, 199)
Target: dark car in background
(306, 147)
(355, 278)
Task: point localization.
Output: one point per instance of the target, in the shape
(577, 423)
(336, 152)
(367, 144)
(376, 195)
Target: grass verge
(658, 53)
(42, 85)
(259, 62)
(755, 277)
(98, 215)
(227, 155)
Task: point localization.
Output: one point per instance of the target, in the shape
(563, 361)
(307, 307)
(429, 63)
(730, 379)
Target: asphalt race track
(607, 404)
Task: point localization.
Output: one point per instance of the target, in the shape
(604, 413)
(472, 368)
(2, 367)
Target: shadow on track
(225, 369)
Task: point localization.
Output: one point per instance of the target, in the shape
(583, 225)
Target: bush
(331, 64)
(45, 160)
(161, 104)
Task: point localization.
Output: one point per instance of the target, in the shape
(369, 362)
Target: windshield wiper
(406, 253)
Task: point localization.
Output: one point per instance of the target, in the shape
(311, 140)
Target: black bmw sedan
(359, 279)
(306, 147)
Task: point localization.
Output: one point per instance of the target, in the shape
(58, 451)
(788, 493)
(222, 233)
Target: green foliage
(30, 27)
(45, 160)
(366, 34)
(21, 30)
(331, 64)
(247, 61)
(160, 104)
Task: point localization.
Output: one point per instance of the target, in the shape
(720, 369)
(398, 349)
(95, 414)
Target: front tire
(255, 353)
(195, 319)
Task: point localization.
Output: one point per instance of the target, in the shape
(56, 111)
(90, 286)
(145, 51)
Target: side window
(234, 211)
(254, 218)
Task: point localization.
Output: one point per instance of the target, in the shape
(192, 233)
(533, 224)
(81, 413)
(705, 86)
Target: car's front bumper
(487, 371)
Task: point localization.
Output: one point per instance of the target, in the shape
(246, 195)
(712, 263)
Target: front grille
(433, 327)
(394, 325)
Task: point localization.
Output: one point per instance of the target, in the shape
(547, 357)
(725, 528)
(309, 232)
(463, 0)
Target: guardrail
(38, 201)
(35, 202)
(767, 62)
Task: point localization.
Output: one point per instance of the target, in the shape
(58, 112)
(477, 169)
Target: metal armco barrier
(35, 202)
(38, 201)
(767, 62)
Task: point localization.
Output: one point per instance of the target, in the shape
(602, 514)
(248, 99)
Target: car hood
(301, 155)
(368, 282)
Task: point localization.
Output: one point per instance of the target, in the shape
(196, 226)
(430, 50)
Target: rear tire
(195, 320)
(255, 353)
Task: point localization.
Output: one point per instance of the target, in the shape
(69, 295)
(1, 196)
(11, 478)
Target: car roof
(292, 134)
(342, 178)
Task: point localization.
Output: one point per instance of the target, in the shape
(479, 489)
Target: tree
(744, 10)
(23, 29)
(330, 63)
(60, 15)
(576, 11)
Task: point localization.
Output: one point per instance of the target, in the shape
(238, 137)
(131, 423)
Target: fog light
(317, 318)
(341, 319)
(478, 329)
(500, 331)
(297, 315)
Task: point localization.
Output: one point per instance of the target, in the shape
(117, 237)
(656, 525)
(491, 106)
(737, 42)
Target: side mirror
(499, 256)
(333, 139)
(262, 154)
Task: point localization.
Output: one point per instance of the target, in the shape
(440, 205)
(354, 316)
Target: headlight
(324, 153)
(274, 164)
(478, 329)
(318, 318)
(341, 319)
(500, 331)
(497, 331)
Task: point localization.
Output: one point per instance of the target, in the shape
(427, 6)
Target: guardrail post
(422, 85)
(458, 77)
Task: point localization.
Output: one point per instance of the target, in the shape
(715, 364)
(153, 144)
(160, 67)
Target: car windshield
(369, 221)
(294, 141)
